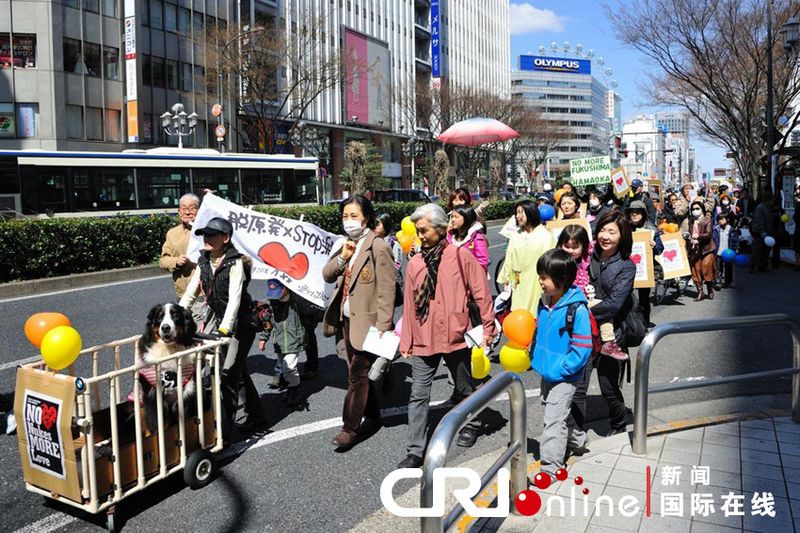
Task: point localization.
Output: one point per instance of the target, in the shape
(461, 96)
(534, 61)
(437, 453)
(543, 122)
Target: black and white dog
(170, 329)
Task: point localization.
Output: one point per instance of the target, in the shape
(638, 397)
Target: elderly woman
(439, 282)
(363, 270)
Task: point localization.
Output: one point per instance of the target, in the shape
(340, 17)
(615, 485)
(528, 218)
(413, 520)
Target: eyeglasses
(187, 209)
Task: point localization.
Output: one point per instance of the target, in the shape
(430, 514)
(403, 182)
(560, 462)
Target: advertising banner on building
(554, 64)
(590, 171)
(368, 80)
(131, 78)
(7, 122)
(436, 41)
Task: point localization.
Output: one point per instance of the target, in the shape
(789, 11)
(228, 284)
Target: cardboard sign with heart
(636, 258)
(670, 255)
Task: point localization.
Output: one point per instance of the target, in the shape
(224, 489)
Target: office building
(566, 93)
(645, 145)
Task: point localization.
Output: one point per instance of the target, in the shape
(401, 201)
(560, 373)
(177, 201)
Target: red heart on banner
(275, 255)
(670, 255)
(636, 258)
(619, 181)
(49, 415)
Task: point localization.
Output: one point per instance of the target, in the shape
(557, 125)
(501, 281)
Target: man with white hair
(173, 252)
(441, 280)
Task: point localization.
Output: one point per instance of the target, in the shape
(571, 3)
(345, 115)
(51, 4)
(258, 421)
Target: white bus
(36, 182)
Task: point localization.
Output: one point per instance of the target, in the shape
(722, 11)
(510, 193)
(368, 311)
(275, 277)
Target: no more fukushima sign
(590, 171)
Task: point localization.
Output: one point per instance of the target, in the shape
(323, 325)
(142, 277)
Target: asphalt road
(291, 479)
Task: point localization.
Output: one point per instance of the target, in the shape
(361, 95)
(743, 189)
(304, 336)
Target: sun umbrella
(475, 131)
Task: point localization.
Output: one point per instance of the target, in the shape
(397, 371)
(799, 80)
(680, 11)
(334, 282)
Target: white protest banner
(292, 251)
(510, 228)
(590, 171)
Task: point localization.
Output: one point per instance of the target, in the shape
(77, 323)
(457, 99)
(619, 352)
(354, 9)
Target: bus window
(223, 181)
(9, 177)
(161, 188)
(262, 187)
(102, 188)
(305, 187)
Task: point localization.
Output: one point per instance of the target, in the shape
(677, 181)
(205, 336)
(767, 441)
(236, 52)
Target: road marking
(48, 523)
(695, 378)
(88, 287)
(57, 521)
(15, 364)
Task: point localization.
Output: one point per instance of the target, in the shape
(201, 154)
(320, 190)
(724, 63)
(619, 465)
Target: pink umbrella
(475, 131)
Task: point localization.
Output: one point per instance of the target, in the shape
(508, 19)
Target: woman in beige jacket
(363, 271)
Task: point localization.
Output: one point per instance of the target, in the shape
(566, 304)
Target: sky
(539, 22)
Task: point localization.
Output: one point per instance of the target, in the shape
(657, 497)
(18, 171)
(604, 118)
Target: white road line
(15, 364)
(56, 521)
(48, 523)
(65, 291)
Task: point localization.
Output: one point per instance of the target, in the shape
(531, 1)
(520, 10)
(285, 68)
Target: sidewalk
(743, 458)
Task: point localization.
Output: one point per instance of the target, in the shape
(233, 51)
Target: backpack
(634, 328)
(569, 325)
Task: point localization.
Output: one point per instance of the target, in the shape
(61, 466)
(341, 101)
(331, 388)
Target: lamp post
(179, 123)
(412, 148)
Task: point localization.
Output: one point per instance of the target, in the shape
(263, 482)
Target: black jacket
(613, 285)
(215, 284)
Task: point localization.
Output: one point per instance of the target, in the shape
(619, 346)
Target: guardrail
(451, 424)
(642, 372)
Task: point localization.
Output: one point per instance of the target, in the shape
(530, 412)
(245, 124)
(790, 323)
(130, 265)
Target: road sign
(216, 110)
(220, 132)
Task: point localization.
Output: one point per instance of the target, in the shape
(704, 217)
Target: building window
(92, 57)
(144, 12)
(198, 79)
(184, 21)
(147, 129)
(73, 62)
(74, 122)
(147, 70)
(111, 62)
(186, 77)
(112, 125)
(92, 5)
(171, 17)
(94, 124)
(172, 75)
(27, 120)
(110, 8)
(198, 24)
(73, 3)
(7, 121)
(158, 72)
(23, 54)
(157, 14)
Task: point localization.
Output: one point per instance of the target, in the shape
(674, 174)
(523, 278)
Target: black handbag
(472, 307)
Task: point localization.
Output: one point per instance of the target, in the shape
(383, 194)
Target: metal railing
(451, 424)
(642, 372)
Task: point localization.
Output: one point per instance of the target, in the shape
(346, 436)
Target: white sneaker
(11, 423)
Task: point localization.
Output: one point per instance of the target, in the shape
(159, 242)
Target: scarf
(432, 257)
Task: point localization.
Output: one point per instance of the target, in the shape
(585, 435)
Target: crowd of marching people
(578, 283)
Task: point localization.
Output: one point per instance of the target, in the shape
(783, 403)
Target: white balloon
(769, 241)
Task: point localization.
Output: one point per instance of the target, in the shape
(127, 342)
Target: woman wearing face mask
(569, 206)
(701, 250)
(726, 208)
(596, 209)
(364, 274)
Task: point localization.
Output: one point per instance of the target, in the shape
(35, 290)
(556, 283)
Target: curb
(75, 281)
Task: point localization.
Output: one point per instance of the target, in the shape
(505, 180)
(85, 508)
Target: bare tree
(441, 170)
(277, 72)
(495, 178)
(712, 59)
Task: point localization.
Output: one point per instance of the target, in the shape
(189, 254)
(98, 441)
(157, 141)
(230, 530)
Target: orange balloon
(519, 326)
(406, 241)
(37, 326)
(557, 195)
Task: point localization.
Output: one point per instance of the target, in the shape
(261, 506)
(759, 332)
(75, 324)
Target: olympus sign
(556, 64)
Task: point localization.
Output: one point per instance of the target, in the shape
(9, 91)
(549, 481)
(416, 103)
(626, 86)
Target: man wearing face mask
(363, 270)
(726, 208)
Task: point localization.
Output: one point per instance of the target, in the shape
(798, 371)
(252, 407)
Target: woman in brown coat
(701, 249)
(363, 270)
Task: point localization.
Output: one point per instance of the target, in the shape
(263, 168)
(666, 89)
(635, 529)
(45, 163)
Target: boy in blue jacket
(560, 354)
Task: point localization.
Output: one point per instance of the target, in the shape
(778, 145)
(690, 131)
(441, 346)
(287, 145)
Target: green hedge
(41, 248)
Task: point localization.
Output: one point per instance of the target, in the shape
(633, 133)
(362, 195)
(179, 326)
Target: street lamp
(179, 123)
(412, 148)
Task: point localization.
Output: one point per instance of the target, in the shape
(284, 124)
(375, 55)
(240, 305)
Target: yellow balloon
(60, 347)
(480, 363)
(408, 227)
(785, 218)
(514, 358)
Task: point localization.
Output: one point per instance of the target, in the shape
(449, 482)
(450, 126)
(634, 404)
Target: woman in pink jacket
(439, 281)
(467, 232)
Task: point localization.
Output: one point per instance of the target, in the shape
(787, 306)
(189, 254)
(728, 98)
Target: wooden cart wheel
(200, 469)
